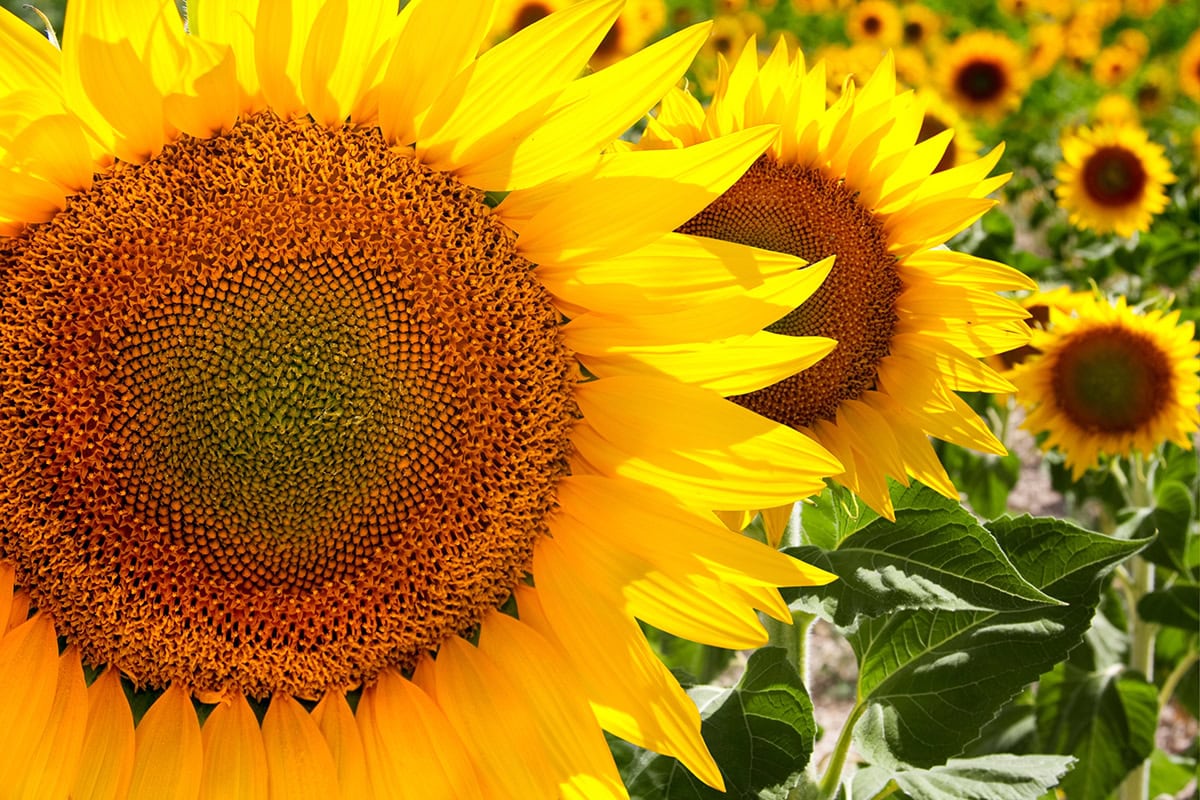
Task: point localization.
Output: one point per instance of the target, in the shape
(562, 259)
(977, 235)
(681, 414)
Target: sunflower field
(599, 399)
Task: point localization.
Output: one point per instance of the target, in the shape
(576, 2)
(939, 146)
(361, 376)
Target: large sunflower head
(290, 406)
(911, 318)
(1107, 380)
(984, 75)
(1111, 178)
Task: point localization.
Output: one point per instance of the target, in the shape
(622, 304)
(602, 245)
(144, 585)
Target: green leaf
(986, 479)
(831, 516)
(1177, 606)
(1105, 719)
(760, 732)
(935, 555)
(1169, 774)
(1171, 518)
(933, 678)
(994, 777)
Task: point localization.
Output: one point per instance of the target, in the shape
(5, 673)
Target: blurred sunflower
(922, 25)
(911, 318)
(876, 22)
(1155, 90)
(289, 406)
(983, 74)
(1114, 109)
(1110, 381)
(1112, 178)
(1114, 65)
(1045, 48)
(1189, 67)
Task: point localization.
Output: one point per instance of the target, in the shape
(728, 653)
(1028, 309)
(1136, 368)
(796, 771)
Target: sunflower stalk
(1140, 582)
(832, 779)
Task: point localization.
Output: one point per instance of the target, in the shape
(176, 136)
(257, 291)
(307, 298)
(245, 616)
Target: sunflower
(1111, 178)
(1045, 48)
(983, 74)
(911, 318)
(291, 414)
(1189, 67)
(1114, 65)
(1110, 381)
(876, 22)
(922, 25)
(1114, 109)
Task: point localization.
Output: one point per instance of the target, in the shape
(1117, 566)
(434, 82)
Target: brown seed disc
(1111, 380)
(798, 210)
(981, 81)
(1114, 176)
(279, 408)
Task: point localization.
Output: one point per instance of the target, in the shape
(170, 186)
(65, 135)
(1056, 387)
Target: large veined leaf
(1105, 719)
(992, 777)
(934, 556)
(832, 515)
(931, 678)
(760, 732)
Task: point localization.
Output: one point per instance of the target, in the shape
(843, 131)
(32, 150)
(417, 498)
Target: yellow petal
(560, 222)
(589, 114)
(169, 754)
(299, 763)
(231, 22)
(429, 53)
(281, 32)
(30, 61)
(336, 722)
(775, 521)
(675, 272)
(235, 761)
(733, 315)
(668, 596)
(51, 768)
(412, 751)
(633, 695)
(106, 761)
(493, 722)
(18, 610)
(111, 58)
(738, 365)
(735, 460)
(505, 93)
(557, 704)
(28, 681)
(341, 46)
(206, 99)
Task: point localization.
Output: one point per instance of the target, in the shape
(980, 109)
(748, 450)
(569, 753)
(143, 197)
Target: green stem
(890, 789)
(1136, 785)
(793, 638)
(1172, 681)
(837, 760)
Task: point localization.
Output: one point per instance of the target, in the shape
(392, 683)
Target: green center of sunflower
(1114, 176)
(799, 210)
(1111, 380)
(287, 407)
(980, 81)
